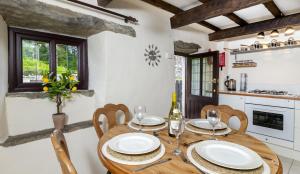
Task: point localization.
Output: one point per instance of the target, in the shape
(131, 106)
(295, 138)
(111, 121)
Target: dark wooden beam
(235, 18)
(232, 17)
(164, 5)
(271, 24)
(175, 10)
(272, 7)
(211, 9)
(103, 3)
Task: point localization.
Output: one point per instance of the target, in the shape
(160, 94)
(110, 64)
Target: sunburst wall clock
(152, 55)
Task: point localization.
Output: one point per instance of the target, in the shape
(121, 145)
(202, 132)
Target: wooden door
(202, 74)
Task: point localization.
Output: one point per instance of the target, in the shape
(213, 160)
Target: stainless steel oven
(271, 118)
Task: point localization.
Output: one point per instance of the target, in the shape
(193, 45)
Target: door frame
(215, 55)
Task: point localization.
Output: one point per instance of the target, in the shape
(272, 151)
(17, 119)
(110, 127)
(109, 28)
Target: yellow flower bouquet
(59, 88)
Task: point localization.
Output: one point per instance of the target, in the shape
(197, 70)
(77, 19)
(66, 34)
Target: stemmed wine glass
(139, 113)
(214, 118)
(177, 127)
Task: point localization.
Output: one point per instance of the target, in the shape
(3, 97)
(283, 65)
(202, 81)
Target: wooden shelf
(264, 49)
(243, 66)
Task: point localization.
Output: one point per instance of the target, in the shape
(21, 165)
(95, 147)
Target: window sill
(39, 95)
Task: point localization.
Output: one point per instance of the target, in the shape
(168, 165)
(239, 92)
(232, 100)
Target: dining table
(177, 165)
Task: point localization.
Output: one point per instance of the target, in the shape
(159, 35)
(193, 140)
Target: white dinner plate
(149, 128)
(267, 169)
(150, 120)
(126, 162)
(204, 124)
(205, 132)
(134, 143)
(230, 155)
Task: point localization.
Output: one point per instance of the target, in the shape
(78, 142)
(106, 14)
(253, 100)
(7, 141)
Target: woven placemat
(147, 128)
(222, 170)
(205, 131)
(134, 158)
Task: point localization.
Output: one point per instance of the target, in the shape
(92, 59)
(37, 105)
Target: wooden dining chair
(110, 112)
(228, 112)
(62, 153)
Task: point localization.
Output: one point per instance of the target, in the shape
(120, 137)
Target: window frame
(15, 68)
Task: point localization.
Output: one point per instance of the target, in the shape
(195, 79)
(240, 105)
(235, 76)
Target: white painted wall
(277, 69)
(117, 72)
(190, 34)
(26, 115)
(3, 77)
(39, 156)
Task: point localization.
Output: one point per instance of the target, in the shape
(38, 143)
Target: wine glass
(214, 119)
(177, 127)
(139, 113)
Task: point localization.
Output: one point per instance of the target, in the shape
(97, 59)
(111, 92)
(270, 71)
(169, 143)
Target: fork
(270, 159)
(152, 164)
(156, 134)
(190, 143)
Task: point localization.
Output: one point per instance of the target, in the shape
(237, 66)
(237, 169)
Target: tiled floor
(290, 166)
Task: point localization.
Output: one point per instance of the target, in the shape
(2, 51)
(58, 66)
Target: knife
(152, 164)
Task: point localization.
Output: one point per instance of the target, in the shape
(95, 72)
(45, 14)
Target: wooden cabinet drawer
(297, 139)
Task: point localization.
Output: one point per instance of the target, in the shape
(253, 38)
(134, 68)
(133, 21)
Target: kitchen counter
(242, 93)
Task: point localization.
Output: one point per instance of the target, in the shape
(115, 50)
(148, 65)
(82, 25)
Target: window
(32, 54)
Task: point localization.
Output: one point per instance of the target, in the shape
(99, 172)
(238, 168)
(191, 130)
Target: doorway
(196, 81)
(201, 82)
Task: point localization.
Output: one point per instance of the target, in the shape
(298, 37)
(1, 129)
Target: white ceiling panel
(221, 22)
(255, 13)
(288, 6)
(183, 4)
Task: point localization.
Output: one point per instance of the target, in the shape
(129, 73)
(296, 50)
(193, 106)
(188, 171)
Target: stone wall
(41, 16)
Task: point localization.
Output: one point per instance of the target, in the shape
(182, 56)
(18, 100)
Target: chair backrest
(226, 113)
(110, 112)
(62, 153)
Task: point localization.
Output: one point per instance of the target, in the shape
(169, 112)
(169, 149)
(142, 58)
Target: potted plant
(59, 89)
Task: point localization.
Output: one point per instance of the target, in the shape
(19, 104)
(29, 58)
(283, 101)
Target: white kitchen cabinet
(297, 139)
(297, 104)
(297, 118)
(235, 101)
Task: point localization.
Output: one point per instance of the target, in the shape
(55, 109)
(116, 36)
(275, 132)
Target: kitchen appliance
(230, 84)
(243, 82)
(270, 117)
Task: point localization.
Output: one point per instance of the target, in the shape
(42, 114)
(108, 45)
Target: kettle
(230, 84)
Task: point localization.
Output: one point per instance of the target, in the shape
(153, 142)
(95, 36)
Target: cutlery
(184, 158)
(152, 164)
(156, 134)
(190, 143)
(270, 159)
(230, 133)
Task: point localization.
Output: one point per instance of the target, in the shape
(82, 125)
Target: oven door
(271, 121)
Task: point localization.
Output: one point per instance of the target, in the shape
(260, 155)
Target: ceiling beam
(235, 18)
(103, 3)
(272, 7)
(267, 25)
(211, 9)
(175, 10)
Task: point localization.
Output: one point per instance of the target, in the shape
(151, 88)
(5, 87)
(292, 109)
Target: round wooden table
(176, 165)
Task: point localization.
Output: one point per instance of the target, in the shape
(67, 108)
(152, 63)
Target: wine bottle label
(174, 124)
